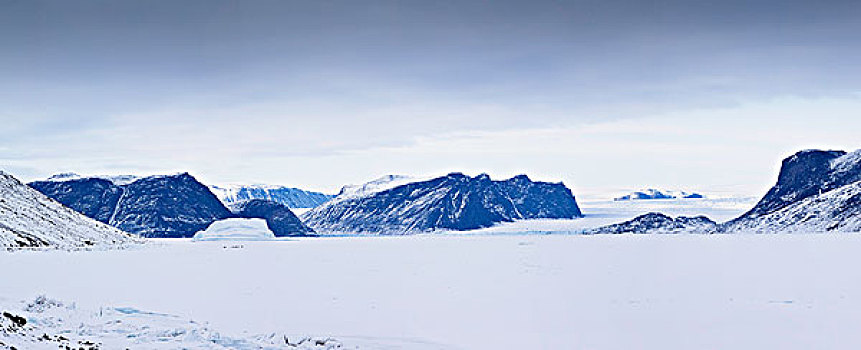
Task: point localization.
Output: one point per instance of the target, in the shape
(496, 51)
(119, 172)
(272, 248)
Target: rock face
(279, 217)
(156, 206)
(659, 223)
(30, 219)
(452, 202)
(815, 191)
(657, 194)
(291, 197)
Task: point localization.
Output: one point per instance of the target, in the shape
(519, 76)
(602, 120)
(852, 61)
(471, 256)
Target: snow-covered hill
(291, 197)
(30, 219)
(816, 191)
(652, 193)
(451, 202)
(836, 210)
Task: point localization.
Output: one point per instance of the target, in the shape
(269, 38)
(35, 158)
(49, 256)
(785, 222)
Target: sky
(605, 96)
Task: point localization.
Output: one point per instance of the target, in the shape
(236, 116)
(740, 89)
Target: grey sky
(320, 93)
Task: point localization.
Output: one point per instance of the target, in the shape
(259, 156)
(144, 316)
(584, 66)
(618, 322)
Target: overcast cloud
(600, 94)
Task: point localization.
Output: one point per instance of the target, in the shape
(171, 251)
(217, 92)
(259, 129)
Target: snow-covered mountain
(652, 193)
(155, 206)
(451, 202)
(377, 185)
(659, 223)
(815, 191)
(291, 197)
(30, 219)
(279, 217)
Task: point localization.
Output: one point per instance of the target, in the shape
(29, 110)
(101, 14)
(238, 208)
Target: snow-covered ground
(478, 292)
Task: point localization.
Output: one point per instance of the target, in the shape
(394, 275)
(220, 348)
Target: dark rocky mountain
(452, 202)
(659, 223)
(156, 206)
(93, 197)
(280, 219)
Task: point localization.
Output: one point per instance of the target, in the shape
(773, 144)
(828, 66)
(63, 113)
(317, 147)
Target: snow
(52, 324)
(236, 230)
(230, 194)
(468, 292)
(847, 162)
(381, 184)
(118, 180)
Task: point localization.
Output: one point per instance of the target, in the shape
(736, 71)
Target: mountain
(657, 194)
(451, 202)
(30, 219)
(155, 206)
(279, 218)
(838, 210)
(291, 197)
(659, 223)
(377, 185)
(815, 191)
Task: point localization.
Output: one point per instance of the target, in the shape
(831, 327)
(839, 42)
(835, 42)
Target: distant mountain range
(816, 191)
(393, 204)
(657, 194)
(29, 219)
(155, 206)
(291, 197)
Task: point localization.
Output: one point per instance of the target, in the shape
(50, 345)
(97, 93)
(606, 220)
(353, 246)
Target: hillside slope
(30, 219)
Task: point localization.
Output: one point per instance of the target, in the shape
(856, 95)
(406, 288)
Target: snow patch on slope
(847, 162)
(118, 180)
(230, 194)
(30, 219)
(381, 184)
(836, 210)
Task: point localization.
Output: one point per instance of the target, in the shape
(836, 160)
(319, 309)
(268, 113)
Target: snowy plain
(471, 291)
(482, 292)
